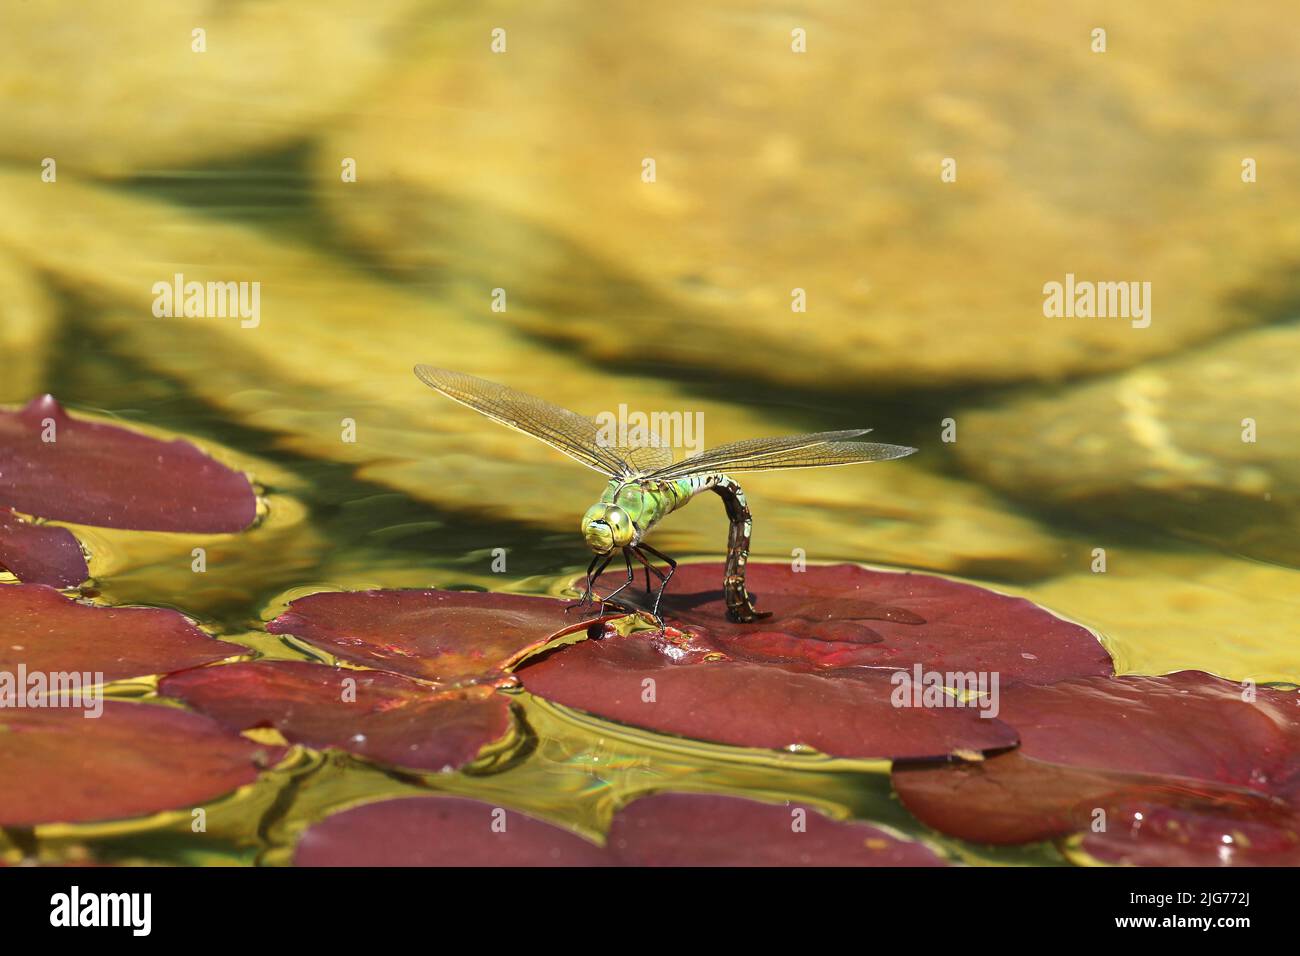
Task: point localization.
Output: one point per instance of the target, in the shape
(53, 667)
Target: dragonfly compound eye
(620, 525)
(598, 536)
(596, 530)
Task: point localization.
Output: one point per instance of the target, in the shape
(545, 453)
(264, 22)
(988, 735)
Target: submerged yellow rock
(677, 181)
(1163, 611)
(329, 366)
(1205, 444)
(28, 320)
(114, 88)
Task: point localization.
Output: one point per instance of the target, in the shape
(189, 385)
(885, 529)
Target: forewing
(563, 430)
(819, 456)
(732, 455)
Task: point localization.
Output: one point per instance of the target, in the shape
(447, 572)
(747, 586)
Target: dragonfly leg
(591, 584)
(592, 574)
(659, 595)
(627, 557)
(648, 568)
(591, 580)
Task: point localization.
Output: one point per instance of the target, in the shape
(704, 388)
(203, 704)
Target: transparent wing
(820, 456)
(646, 455)
(736, 454)
(639, 445)
(563, 430)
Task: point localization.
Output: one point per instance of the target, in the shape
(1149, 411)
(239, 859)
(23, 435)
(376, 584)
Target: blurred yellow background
(920, 171)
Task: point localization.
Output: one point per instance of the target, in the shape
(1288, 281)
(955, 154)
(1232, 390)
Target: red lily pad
(1185, 748)
(379, 716)
(441, 831)
(442, 636)
(132, 760)
(688, 685)
(688, 829)
(68, 469)
(848, 616)
(821, 671)
(1187, 724)
(1171, 836)
(41, 630)
(674, 829)
(1011, 798)
(40, 554)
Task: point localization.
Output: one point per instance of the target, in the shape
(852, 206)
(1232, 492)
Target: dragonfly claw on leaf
(582, 604)
(588, 598)
(597, 567)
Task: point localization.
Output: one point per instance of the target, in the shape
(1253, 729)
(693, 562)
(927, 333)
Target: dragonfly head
(606, 527)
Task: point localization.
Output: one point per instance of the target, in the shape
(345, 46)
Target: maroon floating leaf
(1011, 798)
(43, 631)
(441, 831)
(40, 554)
(1170, 836)
(847, 616)
(684, 684)
(686, 829)
(1182, 747)
(443, 636)
(815, 672)
(663, 830)
(68, 469)
(1187, 724)
(380, 716)
(134, 759)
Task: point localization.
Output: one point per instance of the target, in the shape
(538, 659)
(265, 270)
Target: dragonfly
(645, 485)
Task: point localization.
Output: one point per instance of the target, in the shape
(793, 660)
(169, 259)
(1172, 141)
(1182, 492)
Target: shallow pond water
(1140, 480)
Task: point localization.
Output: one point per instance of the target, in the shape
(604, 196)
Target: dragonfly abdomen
(741, 524)
(682, 490)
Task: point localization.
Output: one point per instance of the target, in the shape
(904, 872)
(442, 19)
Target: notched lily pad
(686, 684)
(1187, 749)
(823, 670)
(69, 469)
(132, 760)
(443, 636)
(44, 631)
(441, 831)
(845, 615)
(40, 554)
(375, 715)
(687, 829)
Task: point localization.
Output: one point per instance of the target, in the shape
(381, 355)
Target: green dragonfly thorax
(628, 510)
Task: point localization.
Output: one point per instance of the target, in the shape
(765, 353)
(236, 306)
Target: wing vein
(568, 432)
(735, 454)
